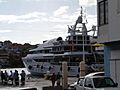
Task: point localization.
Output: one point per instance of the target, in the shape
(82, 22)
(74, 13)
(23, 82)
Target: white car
(97, 83)
(95, 74)
(79, 81)
(73, 85)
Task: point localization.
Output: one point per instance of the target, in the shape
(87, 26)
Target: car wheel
(74, 89)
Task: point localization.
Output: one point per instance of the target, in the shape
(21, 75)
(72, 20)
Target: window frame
(105, 14)
(118, 6)
(87, 82)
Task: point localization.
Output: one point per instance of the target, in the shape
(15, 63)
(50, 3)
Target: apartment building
(108, 12)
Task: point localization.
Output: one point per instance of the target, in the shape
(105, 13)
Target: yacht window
(80, 42)
(79, 37)
(29, 60)
(74, 37)
(35, 52)
(42, 60)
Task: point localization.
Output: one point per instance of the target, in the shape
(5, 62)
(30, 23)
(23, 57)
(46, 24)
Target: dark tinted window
(101, 82)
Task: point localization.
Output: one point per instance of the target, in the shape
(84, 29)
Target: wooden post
(64, 76)
(82, 68)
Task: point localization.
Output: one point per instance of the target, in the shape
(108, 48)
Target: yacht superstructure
(76, 47)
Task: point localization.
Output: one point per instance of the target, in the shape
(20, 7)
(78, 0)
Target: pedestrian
(23, 75)
(78, 79)
(16, 78)
(11, 77)
(58, 79)
(6, 77)
(53, 78)
(2, 77)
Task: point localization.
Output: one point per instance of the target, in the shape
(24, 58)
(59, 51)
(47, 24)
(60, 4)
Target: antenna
(81, 11)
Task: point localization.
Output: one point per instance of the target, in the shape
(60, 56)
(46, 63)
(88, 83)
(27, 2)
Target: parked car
(79, 81)
(95, 74)
(97, 83)
(73, 85)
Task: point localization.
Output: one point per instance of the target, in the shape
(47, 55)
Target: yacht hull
(42, 68)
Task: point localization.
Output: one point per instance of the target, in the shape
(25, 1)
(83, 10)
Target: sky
(33, 21)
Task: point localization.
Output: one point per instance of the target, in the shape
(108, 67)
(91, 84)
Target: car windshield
(101, 82)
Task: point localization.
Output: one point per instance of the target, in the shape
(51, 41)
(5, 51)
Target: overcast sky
(32, 21)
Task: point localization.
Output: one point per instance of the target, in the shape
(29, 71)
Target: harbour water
(34, 82)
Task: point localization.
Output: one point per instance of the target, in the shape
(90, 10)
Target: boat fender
(49, 68)
(60, 68)
(37, 66)
(41, 67)
(68, 68)
(30, 67)
(78, 69)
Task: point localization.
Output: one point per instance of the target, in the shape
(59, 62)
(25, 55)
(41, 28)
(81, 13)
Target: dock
(36, 84)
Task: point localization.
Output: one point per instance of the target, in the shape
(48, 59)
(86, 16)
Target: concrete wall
(115, 65)
(103, 34)
(115, 70)
(112, 62)
(111, 31)
(114, 20)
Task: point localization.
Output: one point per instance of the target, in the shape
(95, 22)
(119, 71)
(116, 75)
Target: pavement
(35, 83)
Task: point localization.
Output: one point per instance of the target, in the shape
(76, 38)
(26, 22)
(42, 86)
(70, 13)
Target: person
(78, 79)
(23, 75)
(58, 79)
(16, 77)
(11, 77)
(2, 77)
(53, 79)
(6, 77)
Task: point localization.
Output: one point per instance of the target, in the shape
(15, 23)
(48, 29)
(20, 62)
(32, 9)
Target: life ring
(30, 67)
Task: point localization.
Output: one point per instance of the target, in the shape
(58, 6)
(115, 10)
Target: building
(11, 53)
(109, 35)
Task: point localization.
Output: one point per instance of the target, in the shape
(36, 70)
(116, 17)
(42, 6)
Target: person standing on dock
(53, 78)
(58, 79)
(16, 77)
(11, 77)
(2, 77)
(23, 75)
(6, 77)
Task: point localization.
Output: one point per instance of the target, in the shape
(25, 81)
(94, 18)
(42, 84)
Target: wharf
(38, 83)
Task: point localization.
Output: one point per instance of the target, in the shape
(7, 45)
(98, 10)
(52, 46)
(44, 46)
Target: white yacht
(77, 45)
